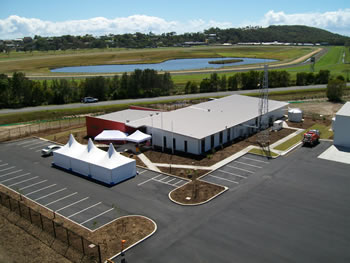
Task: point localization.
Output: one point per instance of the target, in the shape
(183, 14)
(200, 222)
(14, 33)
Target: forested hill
(290, 34)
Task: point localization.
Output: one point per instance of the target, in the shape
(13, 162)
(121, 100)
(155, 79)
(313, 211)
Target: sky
(20, 18)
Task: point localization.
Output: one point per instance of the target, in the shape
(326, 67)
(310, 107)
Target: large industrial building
(195, 129)
(341, 126)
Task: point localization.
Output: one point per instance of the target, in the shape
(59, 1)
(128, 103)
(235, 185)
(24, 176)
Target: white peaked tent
(108, 167)
(138, 137)
(111, 135)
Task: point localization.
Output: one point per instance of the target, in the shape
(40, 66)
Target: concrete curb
(141, 240)
(201, 203)
(291, 148)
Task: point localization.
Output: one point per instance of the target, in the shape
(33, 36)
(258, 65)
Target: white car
(48, 150)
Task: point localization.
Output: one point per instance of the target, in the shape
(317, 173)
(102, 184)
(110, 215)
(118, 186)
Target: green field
(42, 62)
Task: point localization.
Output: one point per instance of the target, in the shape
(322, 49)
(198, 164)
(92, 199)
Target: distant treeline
(287, 34)
(252, 79)
(19, 91)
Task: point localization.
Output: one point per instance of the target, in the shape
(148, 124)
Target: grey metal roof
(126, 116)
(345, 110)
(202, 120)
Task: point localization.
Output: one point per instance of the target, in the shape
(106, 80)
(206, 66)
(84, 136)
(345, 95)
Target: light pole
(152, 130)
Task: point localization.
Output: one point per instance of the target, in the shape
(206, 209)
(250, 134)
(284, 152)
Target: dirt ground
(324, 108)
(308, 122)
(130, 228)
(196, 192)
(212, 158)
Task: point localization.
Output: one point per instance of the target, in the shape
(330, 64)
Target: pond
(169, 65)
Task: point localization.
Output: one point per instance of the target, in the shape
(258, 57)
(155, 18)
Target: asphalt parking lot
(85, 210)
(151, 177)
(232, 174)
(294, 209)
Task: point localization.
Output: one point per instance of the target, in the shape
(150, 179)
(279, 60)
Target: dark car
(89, 100)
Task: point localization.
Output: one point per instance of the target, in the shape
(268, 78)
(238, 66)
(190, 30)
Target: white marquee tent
(111, 135)
(108, 167)
(138, 137)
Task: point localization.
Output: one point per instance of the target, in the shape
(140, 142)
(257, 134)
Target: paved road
(131, 101)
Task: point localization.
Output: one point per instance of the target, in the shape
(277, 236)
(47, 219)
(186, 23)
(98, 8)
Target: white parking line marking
(84, 210)
(163, 178)
(40, 188)
(244, 170)
(39, 142)
(223, 179)
(42, 197)
(248, 164)
(26, 142)
(149, 179)
(23, 181)
(171, 180)
(14, 178)
(60, 199)
(11, 173)
(8, 168)
(32, 185)
(222, 171)
(252, 159)
(92, 218)
(40, 146)
(81, 200)
(142, 172)
(178, 182)
(3, 164)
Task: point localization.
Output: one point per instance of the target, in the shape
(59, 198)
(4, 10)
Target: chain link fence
(28, 129)
(54, 228)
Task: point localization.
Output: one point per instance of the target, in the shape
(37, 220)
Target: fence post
(67, 237)
(9, 202)
(99, 253)
(41, 221)
(54, 229)
(30, 215)
(82, 244)
(19, 208)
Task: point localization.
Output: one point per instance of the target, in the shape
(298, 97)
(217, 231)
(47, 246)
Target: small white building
(341, 126)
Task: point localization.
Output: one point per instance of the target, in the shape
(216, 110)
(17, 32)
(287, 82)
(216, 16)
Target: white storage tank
(295, 115)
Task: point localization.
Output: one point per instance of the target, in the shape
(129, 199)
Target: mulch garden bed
(196, 192)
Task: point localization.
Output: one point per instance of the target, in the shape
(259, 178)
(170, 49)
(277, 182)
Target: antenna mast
(263, 138)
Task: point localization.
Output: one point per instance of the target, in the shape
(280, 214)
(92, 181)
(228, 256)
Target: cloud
(335, 21)
(15, 26)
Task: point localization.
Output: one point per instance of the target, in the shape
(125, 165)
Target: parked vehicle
(48, 150)
(311, 137)
(89, 100)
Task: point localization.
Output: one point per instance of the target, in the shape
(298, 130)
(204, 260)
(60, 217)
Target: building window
(164, 142)
(174, 144)
(212, 139)
(185, 146)
(203, 145)
(220, 137)
(228, 134)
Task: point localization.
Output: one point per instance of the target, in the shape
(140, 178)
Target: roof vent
(127, 121)
(208, 110)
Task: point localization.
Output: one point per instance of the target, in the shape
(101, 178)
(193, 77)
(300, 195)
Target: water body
(169, 65)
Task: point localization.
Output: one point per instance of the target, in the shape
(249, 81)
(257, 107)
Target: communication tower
(263, 137)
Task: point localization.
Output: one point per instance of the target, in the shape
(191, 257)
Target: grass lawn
(324, 134)
(260, 152)
(41, 62)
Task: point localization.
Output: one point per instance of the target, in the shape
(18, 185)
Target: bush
(335, 89)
